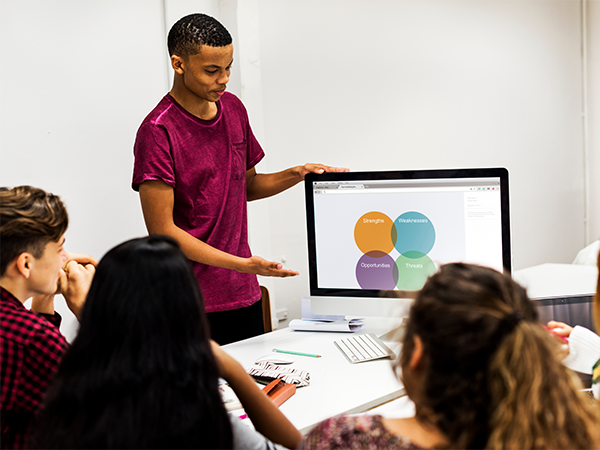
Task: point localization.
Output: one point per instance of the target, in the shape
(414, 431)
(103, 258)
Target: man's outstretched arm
(261, 185)
(158, 200)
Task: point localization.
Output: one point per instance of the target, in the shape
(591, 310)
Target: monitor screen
(375, 232)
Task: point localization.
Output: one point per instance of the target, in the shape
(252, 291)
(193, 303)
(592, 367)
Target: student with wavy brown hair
(481, 372)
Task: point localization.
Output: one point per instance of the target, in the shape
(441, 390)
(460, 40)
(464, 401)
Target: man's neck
(200, 108)
(12, 286)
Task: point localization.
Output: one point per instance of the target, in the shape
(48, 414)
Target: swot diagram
(412, 235)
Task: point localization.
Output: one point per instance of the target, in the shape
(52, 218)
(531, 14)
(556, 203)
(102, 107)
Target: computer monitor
(374, 237)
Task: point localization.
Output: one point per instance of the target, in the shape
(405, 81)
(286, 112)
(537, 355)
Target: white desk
(336, 386)
(554, 280)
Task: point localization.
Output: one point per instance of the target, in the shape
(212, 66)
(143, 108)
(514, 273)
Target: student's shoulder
(163, 117)
(330, 433)
(353, 431)
(230, 98)
(231, 101)
(23, 326)
(162, 112)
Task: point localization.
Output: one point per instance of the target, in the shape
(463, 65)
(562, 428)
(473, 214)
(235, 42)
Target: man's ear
(23, 264)
(417, 355)
(177, 64)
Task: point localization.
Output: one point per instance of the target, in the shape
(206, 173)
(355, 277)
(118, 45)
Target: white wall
(77, 78)
(593, 111)
(377, 85)
(367, 84)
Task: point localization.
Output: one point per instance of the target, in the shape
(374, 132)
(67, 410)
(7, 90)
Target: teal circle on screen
(415, 233)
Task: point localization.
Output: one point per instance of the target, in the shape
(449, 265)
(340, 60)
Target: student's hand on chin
(75, 282)
(80, 259)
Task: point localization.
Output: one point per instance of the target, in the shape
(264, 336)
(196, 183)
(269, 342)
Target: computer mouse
(274, 359)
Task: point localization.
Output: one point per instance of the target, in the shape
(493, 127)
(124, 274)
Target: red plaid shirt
(31, 347)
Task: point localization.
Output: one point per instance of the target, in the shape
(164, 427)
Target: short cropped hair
(29, 219)
(191, 32)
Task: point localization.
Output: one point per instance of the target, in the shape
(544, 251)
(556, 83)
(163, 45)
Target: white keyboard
(363, 347)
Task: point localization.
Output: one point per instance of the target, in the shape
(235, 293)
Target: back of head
(141, 372)
(29, 219)
(491, 376)
(191, 32)
(143, 292)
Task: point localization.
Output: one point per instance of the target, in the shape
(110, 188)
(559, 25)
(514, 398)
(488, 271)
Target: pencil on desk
(296, 353)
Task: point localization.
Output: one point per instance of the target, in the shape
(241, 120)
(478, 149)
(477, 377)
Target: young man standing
(32, 257)
(195, 157)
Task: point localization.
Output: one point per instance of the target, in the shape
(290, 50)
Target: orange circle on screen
(373, 234)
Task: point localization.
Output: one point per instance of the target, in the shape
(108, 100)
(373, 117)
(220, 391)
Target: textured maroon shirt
(354, 432)
(31, 346)
(205, 162)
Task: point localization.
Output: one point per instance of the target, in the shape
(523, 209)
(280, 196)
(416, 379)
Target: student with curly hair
(142, 371)
(481, 372)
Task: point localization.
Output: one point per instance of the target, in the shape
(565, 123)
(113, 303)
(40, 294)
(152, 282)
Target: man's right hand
(75, 281)
(261, 266)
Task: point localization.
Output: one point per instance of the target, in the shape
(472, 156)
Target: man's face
(45, 271)
(206, 73)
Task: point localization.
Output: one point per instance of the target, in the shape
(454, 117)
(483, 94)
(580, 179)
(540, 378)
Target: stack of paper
(343, 326)
(313, 322)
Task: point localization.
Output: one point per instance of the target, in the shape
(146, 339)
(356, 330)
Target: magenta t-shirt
(205, 162)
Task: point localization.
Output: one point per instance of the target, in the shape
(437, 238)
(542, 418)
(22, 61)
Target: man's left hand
(319, 168)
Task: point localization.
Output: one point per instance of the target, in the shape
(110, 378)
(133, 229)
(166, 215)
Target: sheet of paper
(344, 326)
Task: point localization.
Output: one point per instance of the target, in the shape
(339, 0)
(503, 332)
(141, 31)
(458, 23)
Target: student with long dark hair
(481, 372)
(141, 372)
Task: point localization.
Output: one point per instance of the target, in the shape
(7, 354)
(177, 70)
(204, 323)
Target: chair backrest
(266, 307)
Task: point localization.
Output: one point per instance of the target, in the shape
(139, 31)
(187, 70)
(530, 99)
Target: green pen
(296, 353)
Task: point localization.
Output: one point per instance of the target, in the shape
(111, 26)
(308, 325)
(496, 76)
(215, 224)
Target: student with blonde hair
(482, 373)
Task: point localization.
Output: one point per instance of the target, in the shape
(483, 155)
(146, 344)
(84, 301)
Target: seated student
(32, 226)
(481, 372)
(584, 344)
(142, 372)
